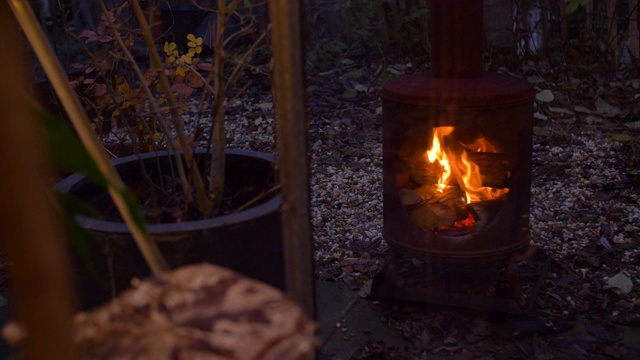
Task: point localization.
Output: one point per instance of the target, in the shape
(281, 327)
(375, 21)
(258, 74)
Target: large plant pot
(248, 241)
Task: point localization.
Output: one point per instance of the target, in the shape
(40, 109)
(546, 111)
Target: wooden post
(43, 300)
(633, 29)
(290, 106)
(612, 39)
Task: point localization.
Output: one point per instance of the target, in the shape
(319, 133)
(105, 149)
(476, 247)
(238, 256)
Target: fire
(466, 172)
(482, 144)
(437, 153)
(470, 173)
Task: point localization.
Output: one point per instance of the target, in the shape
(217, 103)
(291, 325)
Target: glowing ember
(467, 225)
(469, 222)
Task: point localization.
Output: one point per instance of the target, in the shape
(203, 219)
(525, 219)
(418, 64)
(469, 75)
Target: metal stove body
(458, 94)
(497, 107)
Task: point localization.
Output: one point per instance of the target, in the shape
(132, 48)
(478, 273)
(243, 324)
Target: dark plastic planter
(249, 241)
(180, 20)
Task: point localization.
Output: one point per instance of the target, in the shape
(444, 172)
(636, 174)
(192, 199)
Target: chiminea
(457, 151)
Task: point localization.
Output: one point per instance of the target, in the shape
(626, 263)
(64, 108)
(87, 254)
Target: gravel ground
(584, 193)
(585, 211)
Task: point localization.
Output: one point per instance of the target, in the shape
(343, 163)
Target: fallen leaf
(604, 242)
(545, 96)
(582, 109)
(559, 110)
(204, 66)
(623, 138)
(633, 124)
(620, 283)
(540, 131)
(266, 106)
(182, 89)
(194, 80)
(605, 109)
(535, 79)
(347, 62)
(365, 290)
(87, 33)
(593, 119)
(349, 93)
(354, 74)
(540, 116)
(100, 89)
(361, 88)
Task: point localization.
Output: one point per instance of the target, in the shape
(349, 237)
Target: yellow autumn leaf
(186, 59)
(169, 48)
(195, 44)
(123, 88)
(193, 41)
(182, 70)
(154, 137)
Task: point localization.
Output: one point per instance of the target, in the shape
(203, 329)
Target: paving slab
(347, 322)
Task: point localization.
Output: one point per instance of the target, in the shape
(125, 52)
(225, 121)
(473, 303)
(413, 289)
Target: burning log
(423, 172)
(442, 209)
(494, 168)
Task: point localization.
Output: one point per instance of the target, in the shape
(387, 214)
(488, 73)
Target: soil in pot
(248, 241)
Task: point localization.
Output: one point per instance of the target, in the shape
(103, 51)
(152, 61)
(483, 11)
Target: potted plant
(198, 223)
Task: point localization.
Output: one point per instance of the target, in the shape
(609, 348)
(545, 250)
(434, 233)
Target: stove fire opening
(454, 186)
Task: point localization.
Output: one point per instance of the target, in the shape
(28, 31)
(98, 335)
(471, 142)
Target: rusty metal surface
(457, 94)
(488, 89)
(456, 50)
(496, 288)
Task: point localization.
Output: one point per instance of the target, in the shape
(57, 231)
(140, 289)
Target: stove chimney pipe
(456, 38)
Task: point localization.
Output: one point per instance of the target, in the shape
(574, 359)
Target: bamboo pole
(73, 107)
(289, 99)
(43, 299)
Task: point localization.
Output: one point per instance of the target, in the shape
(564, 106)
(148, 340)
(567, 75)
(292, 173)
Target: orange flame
(437, 153)
(467, 172)
(482, 144)
(470, 173)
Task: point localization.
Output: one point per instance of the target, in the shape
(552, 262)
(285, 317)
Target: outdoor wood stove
(457, 155)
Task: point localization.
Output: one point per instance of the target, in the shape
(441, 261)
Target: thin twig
(204, 204)
(258, 198)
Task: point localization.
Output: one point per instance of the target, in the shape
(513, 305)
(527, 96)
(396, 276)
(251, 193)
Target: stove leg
(393, 268)
(427, 269)
(513, 279)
